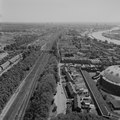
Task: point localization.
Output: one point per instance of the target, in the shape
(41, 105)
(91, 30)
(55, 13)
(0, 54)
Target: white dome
(112, 74)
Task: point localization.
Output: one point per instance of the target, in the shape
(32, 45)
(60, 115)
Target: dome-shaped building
(110, 80)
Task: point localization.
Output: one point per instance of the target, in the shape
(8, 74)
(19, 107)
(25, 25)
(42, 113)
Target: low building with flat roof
(115, 104)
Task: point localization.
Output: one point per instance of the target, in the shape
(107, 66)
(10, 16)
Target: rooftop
(77, 101)
(112, 74)
(115, 103)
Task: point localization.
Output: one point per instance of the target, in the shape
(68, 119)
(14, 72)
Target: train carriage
(5, 65)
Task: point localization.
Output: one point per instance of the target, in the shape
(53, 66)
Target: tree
(43, 95)
(78, 116)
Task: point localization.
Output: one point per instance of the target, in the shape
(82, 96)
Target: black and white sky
(60, 10)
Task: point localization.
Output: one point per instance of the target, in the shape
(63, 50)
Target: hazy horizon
(60, 11)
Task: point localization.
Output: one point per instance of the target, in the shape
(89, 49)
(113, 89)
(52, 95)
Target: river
(98, 35)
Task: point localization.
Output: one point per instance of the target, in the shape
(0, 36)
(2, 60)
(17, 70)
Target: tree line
(42, 98)
(78, 116)
(20, 41)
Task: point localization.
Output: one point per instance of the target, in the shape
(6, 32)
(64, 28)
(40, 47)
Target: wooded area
(11, 79)
(78, 116)
(42, 98)
(21, 41)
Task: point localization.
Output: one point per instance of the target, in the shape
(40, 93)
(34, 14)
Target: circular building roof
(112, 74)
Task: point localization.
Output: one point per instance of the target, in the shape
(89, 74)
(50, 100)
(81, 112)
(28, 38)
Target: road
(60, 98)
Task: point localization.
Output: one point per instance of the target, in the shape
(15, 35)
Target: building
(75, 60)
(95, 61)
(115, 104)
(77, 104)
(71, 89)
(69, 77)
(110, 80)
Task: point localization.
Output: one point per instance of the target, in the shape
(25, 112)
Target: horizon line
(60, 22)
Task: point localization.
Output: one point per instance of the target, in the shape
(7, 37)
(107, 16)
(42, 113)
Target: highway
(15, 108)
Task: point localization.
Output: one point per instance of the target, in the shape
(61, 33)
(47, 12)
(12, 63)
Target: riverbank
(112, 36)
(99, 35)
(116, 31)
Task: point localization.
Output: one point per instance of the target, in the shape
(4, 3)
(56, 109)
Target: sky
(60, 10)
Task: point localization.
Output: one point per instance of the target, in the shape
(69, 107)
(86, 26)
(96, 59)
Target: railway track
(26, 91)
(18, 107)
(21, 111)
